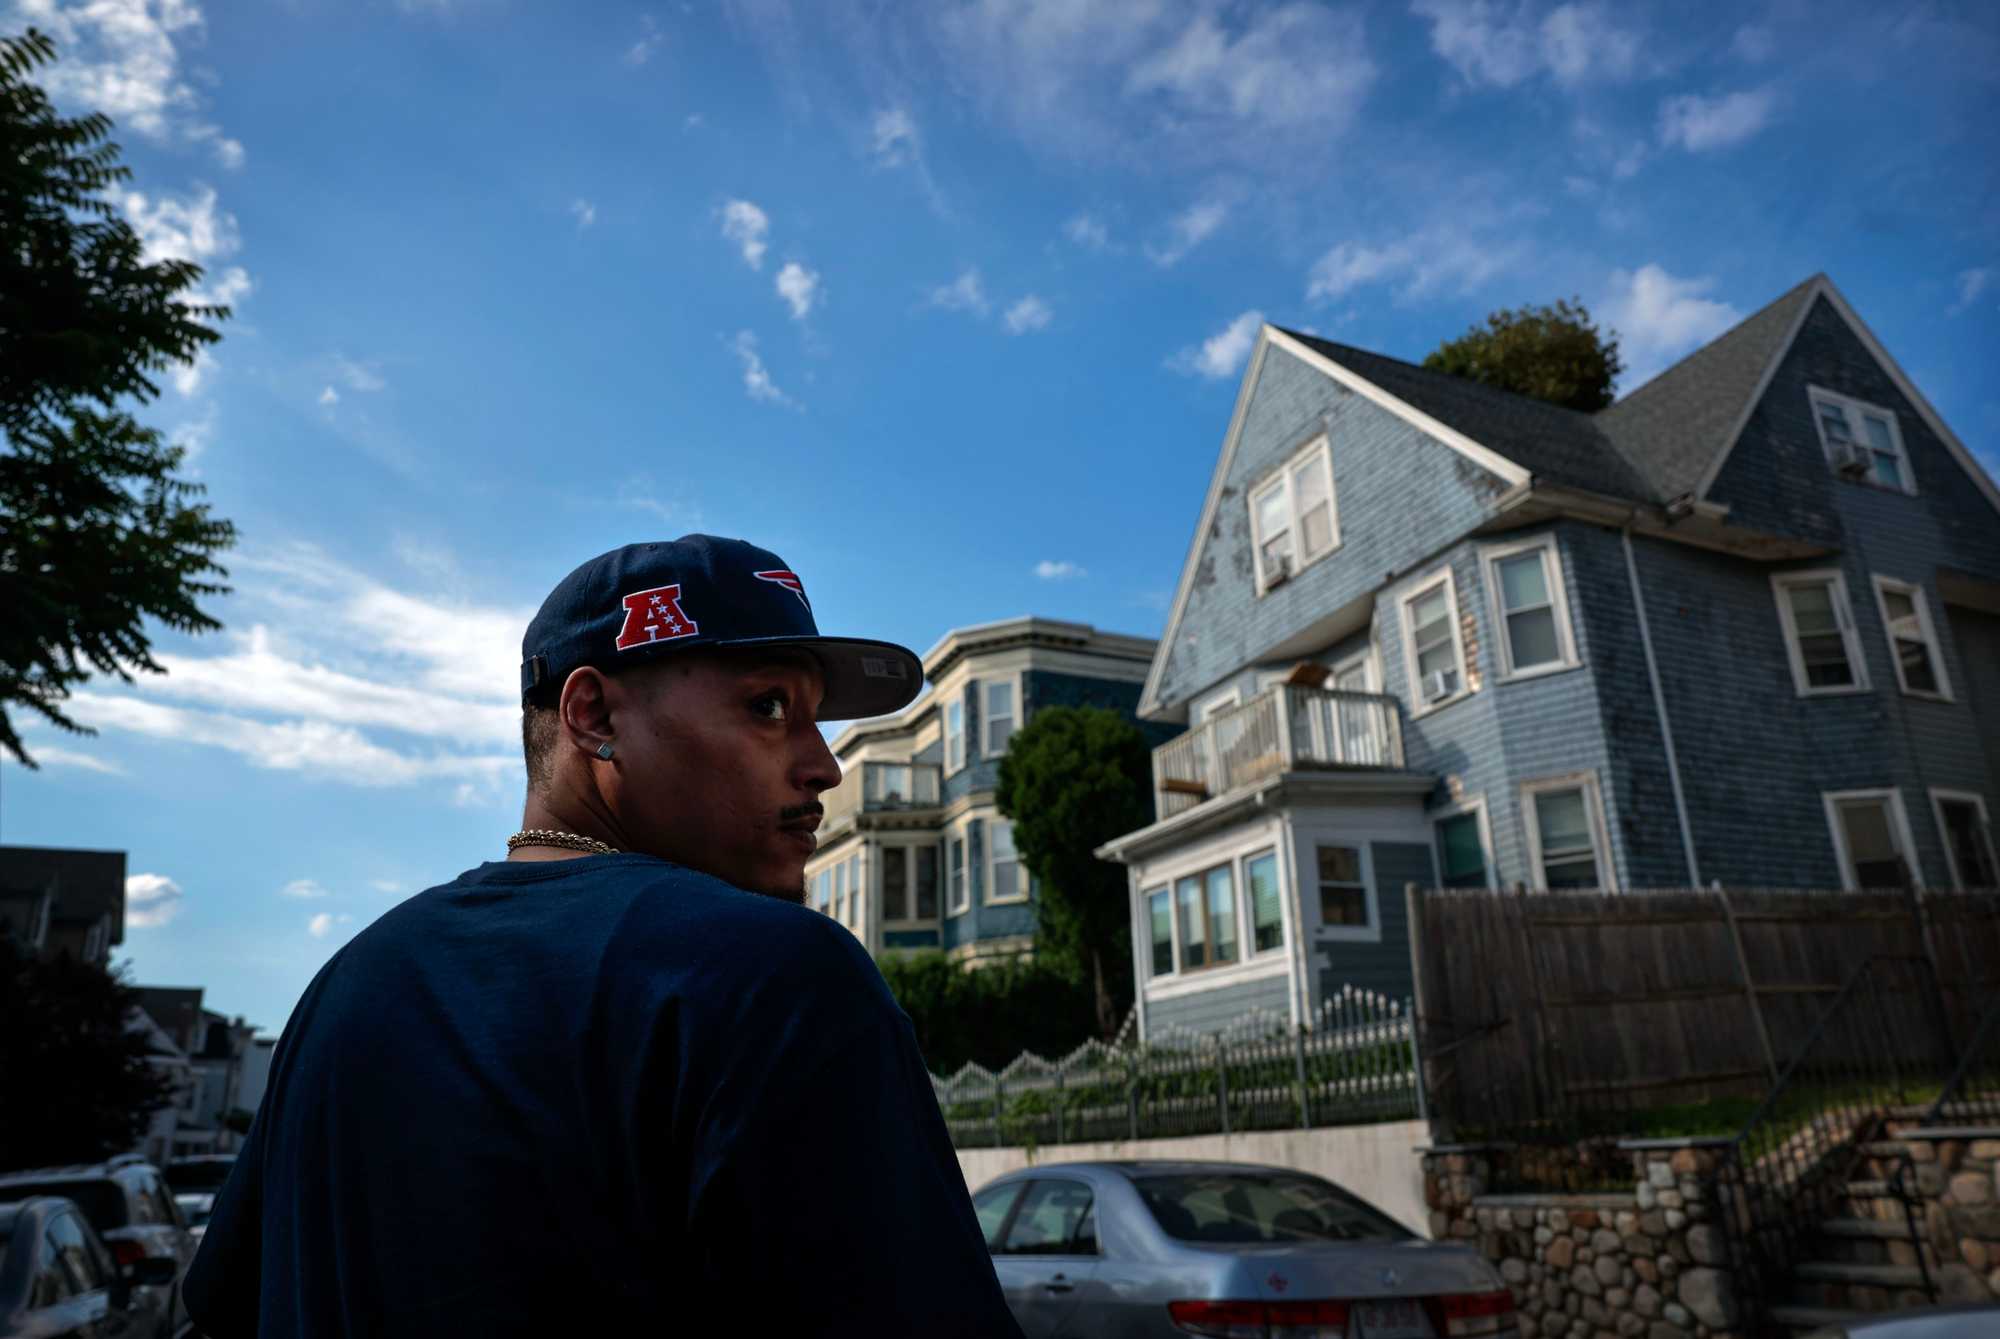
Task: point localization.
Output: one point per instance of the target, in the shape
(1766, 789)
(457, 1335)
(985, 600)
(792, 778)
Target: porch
(1285, 728)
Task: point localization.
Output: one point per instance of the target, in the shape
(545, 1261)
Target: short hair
(541, 731)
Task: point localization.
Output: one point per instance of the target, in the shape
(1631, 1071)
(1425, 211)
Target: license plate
(1391, 1320)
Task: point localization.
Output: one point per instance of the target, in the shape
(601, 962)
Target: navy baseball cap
(638, 604)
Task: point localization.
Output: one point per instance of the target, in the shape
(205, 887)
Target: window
(1913, 643)
(1048, 1219)
(1221, 915)
(1293, 517)
(961, 896)
(79, 1268)
(1160, 914)
(1194, 923)
(854, 901)
(1461, 841)
(895, 883)
(822, 884)
(840, 892)
(991, 1206)
(1007, 884)
(1968, 838)
(1343, 896)
(1431, 642)
(1819, 632)
(954, 736)
(927, 883)
(1566, 839)
(1248, 1205)
(1530, 607)
(1267, 915)
(999, 716)
(1862, 441)
(1871, 839)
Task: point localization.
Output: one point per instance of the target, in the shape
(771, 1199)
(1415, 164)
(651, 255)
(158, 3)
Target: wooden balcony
(1282, 729)
(884, 787)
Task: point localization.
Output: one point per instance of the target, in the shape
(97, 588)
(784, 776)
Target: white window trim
(1370, 933)
(1552, 570)
(1020, 870)
(946, 733)
(1843, 609)
(1413, 592)
(1281, 478)
(986, 748)
(907, 853)
(1169, 877)
(1368, 660)
(1222, 701)
(1940, 796)
(944, 871)
(1883, 587)
(1851, 409)
(1898, 816)
(1249, 914)
(1600, 834)
(1475, 805)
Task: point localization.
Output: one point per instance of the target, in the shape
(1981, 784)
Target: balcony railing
(1283, 728)
(885, 786)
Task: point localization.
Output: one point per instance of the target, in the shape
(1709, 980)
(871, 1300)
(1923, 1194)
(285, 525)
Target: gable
(1400, 492)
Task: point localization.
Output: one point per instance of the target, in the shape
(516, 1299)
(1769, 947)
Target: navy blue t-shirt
(607, 1095)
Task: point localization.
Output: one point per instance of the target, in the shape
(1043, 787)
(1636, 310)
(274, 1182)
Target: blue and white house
(914, 853)
(1742, 626)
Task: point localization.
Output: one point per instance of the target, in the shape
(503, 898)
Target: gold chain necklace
(569, 841)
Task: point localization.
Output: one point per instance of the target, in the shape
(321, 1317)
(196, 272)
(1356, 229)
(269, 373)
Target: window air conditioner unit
(1278, 571)
(1850, 460)
(1437, 684)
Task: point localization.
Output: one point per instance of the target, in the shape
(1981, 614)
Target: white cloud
(1188, 230)
(1222, 354)
(895, 140)
(800, 288)
(1030, 313)
(150, 900)
(585, 212)
(181, 227)
(748, 226)
(1049, 569)
(1438, 259)
(355, 376)
(187, 378)
(303, 888)
(1088, 232)
(1753, 43)
(389, 886)
(228, 152)
(195, 435)
(649, 42)
(756, 377)
(119, 57)
(47, 756)
(1696, 123)
(965, 293)
(1658, 318)
(329, 397)
(1499, 44)
(1971, 283)
(320, 926)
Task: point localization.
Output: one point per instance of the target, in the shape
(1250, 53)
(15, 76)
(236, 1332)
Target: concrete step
(1874, 1276)
(1886, 1148)
(1805, 1319)
(1869, 1190)
(1873, 1229)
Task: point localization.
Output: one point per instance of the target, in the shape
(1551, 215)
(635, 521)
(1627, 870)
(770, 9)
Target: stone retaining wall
(1957, 1174)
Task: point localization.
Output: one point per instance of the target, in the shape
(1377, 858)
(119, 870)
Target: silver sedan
(1227, 1250)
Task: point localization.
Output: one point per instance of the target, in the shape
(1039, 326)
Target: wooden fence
(1545, 1008)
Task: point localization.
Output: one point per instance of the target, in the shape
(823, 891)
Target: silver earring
(604, 750)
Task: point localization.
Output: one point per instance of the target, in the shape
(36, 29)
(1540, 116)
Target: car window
(159, 1201)
(102, 1201)
(1262, 1206)
(144, 1211)
(1047, 1221)
(992, 1204)
(79, 1266)
(1086, 1233)
(50, 1284)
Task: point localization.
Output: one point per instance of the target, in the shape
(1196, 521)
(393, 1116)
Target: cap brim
(863, 678)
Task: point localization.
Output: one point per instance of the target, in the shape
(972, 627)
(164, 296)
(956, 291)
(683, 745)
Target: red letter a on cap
(654, 616)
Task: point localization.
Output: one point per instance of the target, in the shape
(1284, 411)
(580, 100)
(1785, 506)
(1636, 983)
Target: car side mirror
(151, 1271)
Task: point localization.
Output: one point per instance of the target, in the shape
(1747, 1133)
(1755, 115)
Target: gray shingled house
(1742, 626)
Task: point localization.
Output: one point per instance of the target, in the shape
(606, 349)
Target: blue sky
(946, 303)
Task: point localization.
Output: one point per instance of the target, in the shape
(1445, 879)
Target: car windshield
(1246, 1207)
(199, 1174)
(102, 1202)
(196, 1208)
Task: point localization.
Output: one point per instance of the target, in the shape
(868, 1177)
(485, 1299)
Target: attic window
(1861, 441)
(1294, 517)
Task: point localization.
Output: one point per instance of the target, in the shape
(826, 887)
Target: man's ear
(586, 708)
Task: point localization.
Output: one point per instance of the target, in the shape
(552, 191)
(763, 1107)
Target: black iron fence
(1357, 1063)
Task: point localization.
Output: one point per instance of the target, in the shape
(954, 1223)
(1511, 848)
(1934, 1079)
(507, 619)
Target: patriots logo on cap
(789, 580)
(654, 616)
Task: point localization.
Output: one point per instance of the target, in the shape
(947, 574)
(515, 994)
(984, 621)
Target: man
(622, 1082)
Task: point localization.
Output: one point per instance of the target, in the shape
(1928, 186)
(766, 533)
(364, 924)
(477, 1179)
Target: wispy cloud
(1971, 284)
(1697, 124)
(303, 888)
(1051, 569)
(749, 228)
(55, 756)
(895, 142)
(1029, 314)
(1442, 259)
(1088, 232)
(192, 227)
(965, 293)
(364, 377)
(1187, 230)
(585, 212)
(1223, 353)
(151, 900)
(757, 381)
(650, 38)
(1501, 45)
(120, 57)
(1753, 43)
(800, 288)
(322, 925)
(1658, 318)
(329, 397)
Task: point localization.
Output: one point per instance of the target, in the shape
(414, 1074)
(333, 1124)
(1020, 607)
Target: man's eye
(771, 707)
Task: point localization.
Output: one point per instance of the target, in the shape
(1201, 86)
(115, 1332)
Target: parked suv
(128, 1202)
(58, 1280)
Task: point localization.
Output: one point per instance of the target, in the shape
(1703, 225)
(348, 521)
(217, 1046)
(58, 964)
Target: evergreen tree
(1552, 353)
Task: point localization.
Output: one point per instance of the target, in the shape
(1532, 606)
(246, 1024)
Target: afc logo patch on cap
(654, 616)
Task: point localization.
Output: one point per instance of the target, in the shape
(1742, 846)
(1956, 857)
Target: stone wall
(1957, 1175)
(1645, 1263)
